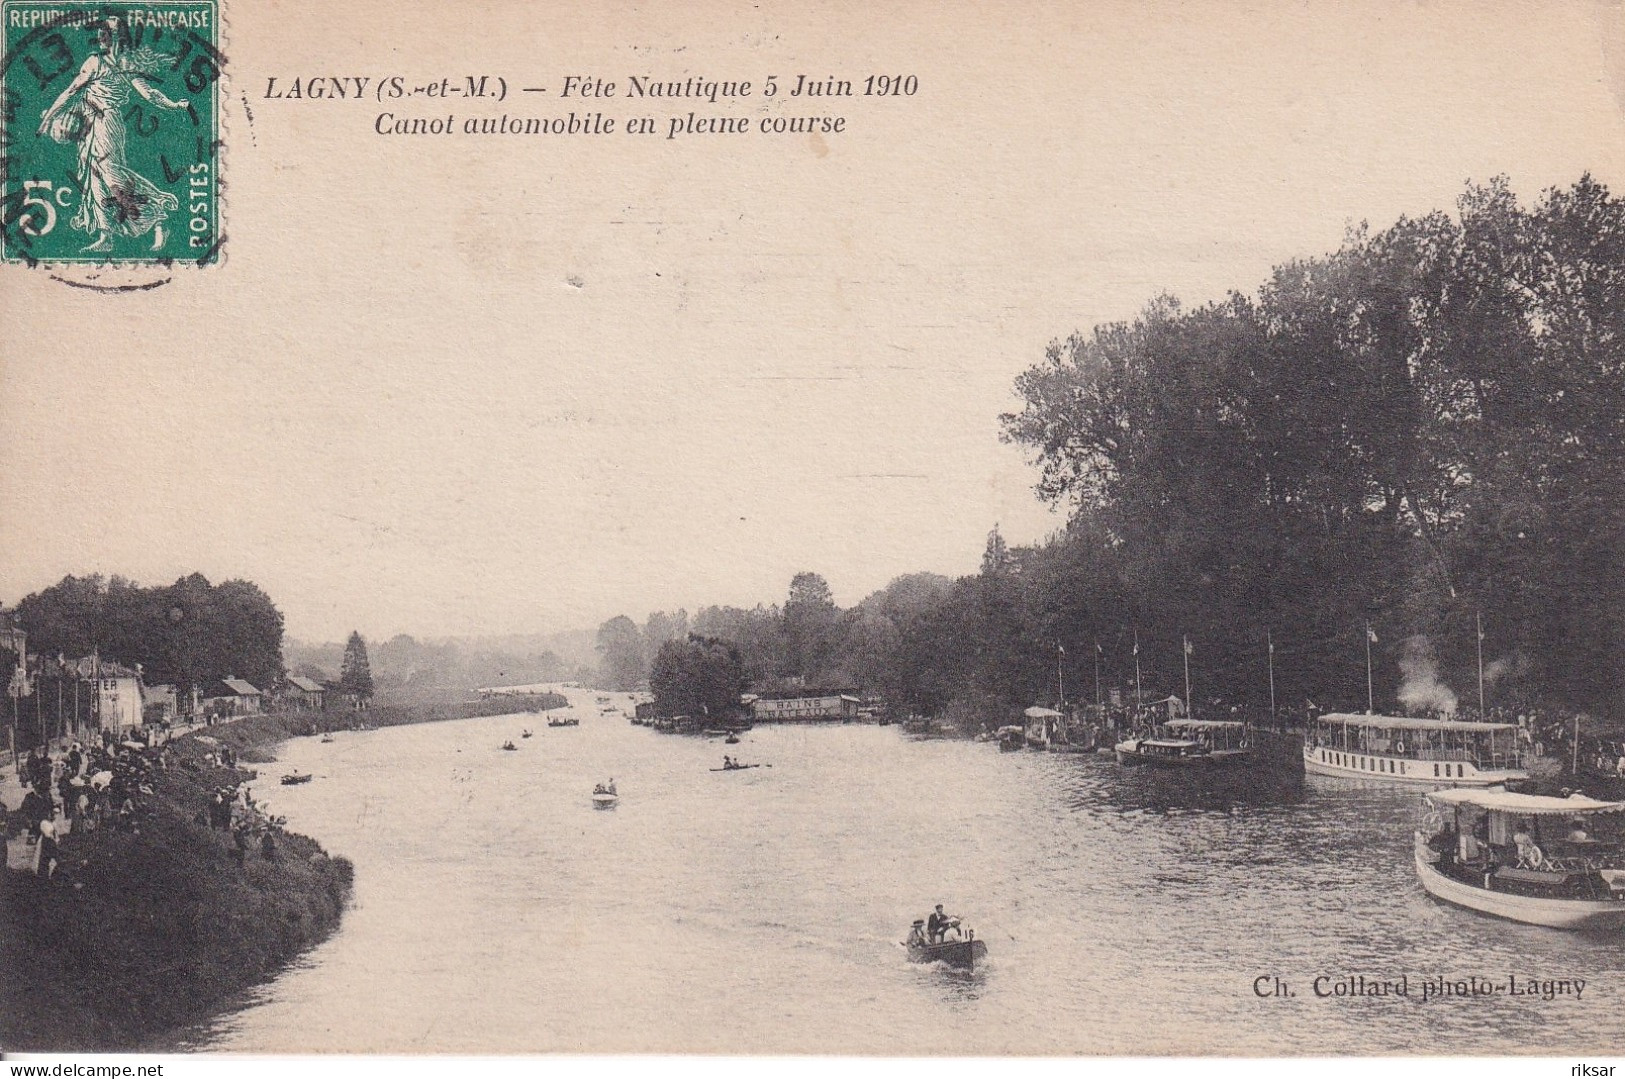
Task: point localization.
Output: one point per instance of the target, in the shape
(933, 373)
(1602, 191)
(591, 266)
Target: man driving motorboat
(939, 925)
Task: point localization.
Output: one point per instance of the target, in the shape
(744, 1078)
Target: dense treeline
(189, 633)
(1416, 432)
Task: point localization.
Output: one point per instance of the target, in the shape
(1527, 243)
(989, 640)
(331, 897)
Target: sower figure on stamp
(113, 198)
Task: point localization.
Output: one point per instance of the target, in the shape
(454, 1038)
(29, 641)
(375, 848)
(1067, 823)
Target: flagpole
(1478, 619)
(1097, 672)
(17, 698)
(1370, 705)
(1137, 703)
(1268, 636)
(1186, 641)
(1060, 677)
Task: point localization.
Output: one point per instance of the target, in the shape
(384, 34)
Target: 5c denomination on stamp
(109, 151)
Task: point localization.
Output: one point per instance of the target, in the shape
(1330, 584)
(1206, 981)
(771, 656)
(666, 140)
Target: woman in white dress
(113, 198)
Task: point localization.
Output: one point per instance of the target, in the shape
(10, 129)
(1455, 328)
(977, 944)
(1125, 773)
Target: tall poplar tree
(355, 672)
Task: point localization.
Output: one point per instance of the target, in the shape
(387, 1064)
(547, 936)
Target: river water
(1126, 911)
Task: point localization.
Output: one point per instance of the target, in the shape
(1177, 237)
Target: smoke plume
(1514, 666)
(1420, 689)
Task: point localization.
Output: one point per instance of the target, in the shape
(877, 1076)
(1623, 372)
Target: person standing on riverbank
(46, 865)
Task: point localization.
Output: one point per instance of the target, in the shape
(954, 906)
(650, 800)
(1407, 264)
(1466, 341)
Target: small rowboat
(294, 778)
(603, 797)
(736, 768)
(955, 953)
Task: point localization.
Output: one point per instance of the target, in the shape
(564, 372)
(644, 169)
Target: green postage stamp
(111, 135)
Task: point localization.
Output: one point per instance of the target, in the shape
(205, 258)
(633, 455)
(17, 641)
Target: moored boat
(605, 795)
(1041, 725)
(1182, 743)
(1397, 749)
(294, 778)
(1536, 859)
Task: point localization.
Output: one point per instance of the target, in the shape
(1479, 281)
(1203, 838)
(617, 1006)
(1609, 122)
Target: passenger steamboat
(1443, 752)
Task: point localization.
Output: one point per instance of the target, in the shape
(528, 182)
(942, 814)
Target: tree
(622, 662)
(809, 626)
(697, 676)
(355, 672)
(661, 627)
(189, 633)
(996, 555)
(757, 633)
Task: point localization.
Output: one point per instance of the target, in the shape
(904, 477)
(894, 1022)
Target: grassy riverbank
(146, 931)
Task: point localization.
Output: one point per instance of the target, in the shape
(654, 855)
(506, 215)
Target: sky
(460, 386)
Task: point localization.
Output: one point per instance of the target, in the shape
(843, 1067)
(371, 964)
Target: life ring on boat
(1242, 744)
(1399, 748)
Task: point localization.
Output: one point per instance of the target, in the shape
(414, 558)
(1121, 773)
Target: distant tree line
(796, 643)
(1419, 433)
(406, 669)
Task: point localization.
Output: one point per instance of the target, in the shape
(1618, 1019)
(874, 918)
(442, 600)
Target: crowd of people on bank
(108, 783)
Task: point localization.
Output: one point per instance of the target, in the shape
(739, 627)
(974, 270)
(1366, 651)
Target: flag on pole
(1190, 649)
(1061, 648)
(1099, 651)
(1136, 647)
(1272, 648)
(1370, 634)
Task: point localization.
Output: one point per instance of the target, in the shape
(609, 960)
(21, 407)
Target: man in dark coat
(35, 808)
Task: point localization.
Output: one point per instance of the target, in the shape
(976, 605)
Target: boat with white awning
(1444, 752)
(1556, 862)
